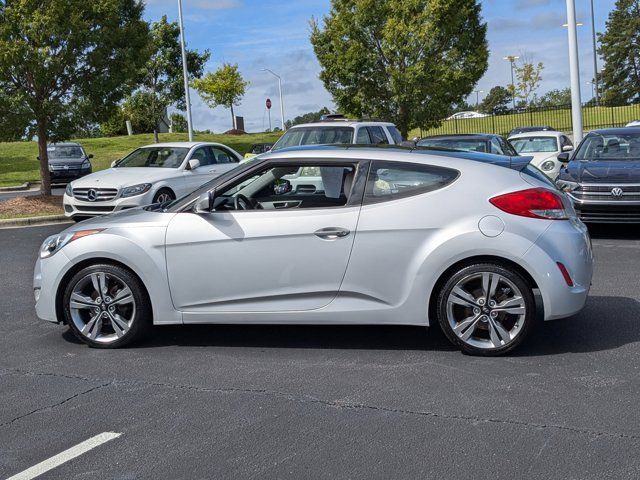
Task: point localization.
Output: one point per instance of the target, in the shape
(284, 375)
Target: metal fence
(558, 118)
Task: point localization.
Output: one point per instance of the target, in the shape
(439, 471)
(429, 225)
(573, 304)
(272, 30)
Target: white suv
(340, 131)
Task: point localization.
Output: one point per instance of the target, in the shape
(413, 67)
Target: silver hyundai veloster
(329, 236)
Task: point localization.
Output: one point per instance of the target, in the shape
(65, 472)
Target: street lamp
(511, 59)
(574, 68)
(592, 85)
(185, 74)
(478, 92)
(280, 92)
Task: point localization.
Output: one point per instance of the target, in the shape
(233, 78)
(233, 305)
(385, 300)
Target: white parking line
(65, 456)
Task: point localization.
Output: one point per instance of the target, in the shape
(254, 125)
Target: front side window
(535, 144)
(597, 147)
(158, 157)
(377, 135)
(496, 147)
(395, 134)
(221, 156)
(363, 136)
(202, 155)
(315, 136)
(393, 180)
(290, 186)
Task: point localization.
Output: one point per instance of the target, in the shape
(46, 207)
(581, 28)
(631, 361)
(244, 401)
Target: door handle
(331, 233)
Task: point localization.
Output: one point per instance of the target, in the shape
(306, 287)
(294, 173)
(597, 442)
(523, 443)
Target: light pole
(512, 59)
(185, 74)
(280, 92)
(595, 56)
(574, 67)
(592, 91)
(478, 92)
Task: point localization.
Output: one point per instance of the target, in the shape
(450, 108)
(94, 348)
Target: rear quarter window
(393, 180)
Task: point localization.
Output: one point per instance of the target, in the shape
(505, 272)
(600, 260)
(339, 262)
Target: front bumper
(81, 208)
(46, 276)
(66, 176)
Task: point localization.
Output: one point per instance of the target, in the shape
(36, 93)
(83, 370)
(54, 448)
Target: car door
(222, 159)
(205, 172)
(282, 257)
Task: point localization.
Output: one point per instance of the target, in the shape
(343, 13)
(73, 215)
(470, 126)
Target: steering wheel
(240, 202)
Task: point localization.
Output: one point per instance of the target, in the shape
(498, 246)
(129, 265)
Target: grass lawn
(593, 117)
(19, 164)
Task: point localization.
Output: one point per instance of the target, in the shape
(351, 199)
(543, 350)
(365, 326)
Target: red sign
(268, 102)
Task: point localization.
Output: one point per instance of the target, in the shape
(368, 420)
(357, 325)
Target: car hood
(603, 171)
(540, 157)
(66, 161)
(125, 176)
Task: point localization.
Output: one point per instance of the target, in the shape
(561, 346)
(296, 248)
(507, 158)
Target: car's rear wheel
(486, 309)
(164, 195)
(106, 306)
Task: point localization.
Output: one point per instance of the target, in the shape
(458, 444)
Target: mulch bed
(31, 206)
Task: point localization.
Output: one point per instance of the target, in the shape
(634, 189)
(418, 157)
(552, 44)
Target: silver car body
(108, 184)
(267, 266)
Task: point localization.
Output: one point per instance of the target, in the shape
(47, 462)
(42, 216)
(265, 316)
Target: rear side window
(393, 180)
(377, 135)
(395, 134)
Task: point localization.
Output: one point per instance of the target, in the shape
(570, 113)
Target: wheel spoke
(96, 283)
(466, 327)
(123, 297)
(499, 336)
(462, 297)
(118, 324)
(80, 301)
(512, 302)
(92, 328)
(512, 310)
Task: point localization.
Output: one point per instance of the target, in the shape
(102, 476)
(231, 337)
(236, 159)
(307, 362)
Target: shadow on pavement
(606, 323)
(614, 231)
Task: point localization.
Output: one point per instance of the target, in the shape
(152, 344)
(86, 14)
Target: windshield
(315, 136)
(467, 145)
(164, 157)
(535, 144)
(622, 146)
(65, 151)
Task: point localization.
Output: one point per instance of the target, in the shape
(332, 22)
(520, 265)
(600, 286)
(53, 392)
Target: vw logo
(616, 192)
(92, 195)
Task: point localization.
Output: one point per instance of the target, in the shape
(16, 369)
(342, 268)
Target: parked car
(544, 147)
(541, 128)
(634, 123)
(517, 162)
(391, 237)
(67, 162)
(474, 142)
(462, 115)
(337, 131)
(257, 149)
(156, 173)
(602, 176)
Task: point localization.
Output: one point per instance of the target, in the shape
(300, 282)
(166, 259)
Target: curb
(16, 188)
(27, 221)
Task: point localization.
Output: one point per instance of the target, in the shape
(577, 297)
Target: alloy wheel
(486, 310)
(102, 307)
(163, 197)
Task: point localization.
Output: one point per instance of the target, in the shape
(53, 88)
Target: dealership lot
(327, 402)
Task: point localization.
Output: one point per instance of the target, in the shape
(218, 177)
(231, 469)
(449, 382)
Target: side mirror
(282, 186)
(567, 148)
(563, 157)
(114, 163)
(193, 164)
(204, 204)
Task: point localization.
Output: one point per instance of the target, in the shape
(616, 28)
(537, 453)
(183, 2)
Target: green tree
(178, 123)
(407, 61)
(308, 117)
(556, 98)
(496, 101)
(14, 118)
(528, 77)
(145, 112)
(224, 87)
(116, 124)
(162, 81)
(620, 49)
(66, 61)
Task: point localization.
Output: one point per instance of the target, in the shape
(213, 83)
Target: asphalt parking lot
(326, 402)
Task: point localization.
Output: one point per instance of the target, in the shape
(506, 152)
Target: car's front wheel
(106, 306)
(486, 309)
(163, 195)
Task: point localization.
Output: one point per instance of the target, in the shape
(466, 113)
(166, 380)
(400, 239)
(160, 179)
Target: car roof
(181, 144)
(462, 136)
(537, 133)
(616, 131)
(64, 144)
(344, 123)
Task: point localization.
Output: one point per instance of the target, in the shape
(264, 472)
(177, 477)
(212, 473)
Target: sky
(273, 34)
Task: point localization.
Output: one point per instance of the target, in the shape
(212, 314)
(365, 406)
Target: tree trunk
(45, 186)
(156, 137)
(233, 118)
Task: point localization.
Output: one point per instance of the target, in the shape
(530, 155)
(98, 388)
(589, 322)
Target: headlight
(86, 164)
(136, 190)
(567, 186)
(548, 165)
(69, 190)
(54, 243)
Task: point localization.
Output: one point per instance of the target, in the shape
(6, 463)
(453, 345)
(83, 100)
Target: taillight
(532, 203)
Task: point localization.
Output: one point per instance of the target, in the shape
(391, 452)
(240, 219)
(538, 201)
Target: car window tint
(496, 147)
(221, 156)
(377, 135)
(393, 180)
(395, 134)
(467, 145)
(363, 136)
(201, 154)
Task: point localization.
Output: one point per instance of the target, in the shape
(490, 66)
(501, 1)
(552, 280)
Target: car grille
(101, 194)
(609, 213)
(602, 193)
(66, 167)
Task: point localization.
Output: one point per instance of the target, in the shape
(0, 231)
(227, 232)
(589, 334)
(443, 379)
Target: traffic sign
(268, 102)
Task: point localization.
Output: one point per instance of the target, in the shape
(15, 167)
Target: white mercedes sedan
(544, 146)
(153, 174)
(390, 236)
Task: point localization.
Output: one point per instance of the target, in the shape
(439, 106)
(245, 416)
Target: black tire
(141, 313)
(164, 192)
(524, 323)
